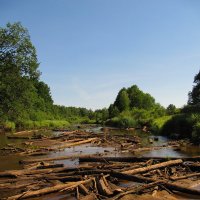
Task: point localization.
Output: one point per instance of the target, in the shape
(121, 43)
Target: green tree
(194, 95)
(122, 101)
(113, 111)
(171, 109)
(18, 69)
(139, 99)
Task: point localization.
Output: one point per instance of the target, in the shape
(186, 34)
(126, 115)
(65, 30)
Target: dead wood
(90, 196)
(184, 177)
(76, 143)
(103, 187)
(17, 137)
(133, 159)
(50, 166)
(141, 179)
(47, 190)
(51, 159)
(25, 132)
(83, 189)
(192, 166)
(152, 148)
(135, 190)
(152, 167)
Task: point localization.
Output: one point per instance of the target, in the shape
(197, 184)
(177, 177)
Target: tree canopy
(194, 95)
(23, 96)
(18, 71)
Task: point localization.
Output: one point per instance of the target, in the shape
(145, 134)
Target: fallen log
(192, 166)
(76, 143)
(47, 190)
(135, 190)
(133, 159)
(108, 159)
(103, 187)
(25, 132)
(51, 159)
(167, 184)
(17, 137)
(86, 170)
(50, 166)
(152, 167)
(184, 177)
(83, 189)
(152, 148)
(16, 173)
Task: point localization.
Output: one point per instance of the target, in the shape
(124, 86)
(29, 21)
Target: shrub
(9, 126)
(196, 133)
(122, 122)
(181, 124)
(157, 124)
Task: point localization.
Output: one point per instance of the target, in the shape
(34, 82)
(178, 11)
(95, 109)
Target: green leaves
(21, 92)
(194, 96)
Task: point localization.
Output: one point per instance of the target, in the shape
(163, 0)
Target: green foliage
(196, 133)
(139, 99)
(194, 96)
(158, 123)
(44, 124)
(18, 69)
(132, 106)
(113, 111)
(24, 99)
(122, 101)
(122, 122)
(171, 109)
(8, 126)
(181, 124)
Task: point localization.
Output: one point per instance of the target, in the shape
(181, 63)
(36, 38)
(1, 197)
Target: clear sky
(90, 49)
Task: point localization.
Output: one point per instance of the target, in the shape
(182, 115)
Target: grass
(159, 123)
(45, 124)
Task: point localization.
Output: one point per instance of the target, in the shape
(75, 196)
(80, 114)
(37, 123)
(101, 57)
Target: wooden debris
(152, 167)
(99, 176)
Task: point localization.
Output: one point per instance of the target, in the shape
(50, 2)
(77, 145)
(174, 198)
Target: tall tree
(122, 101)
(18, 68)
(139, 99)
(171, 109)
(194, 95)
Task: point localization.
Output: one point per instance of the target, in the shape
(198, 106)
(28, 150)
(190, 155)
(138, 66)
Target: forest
(26, 101)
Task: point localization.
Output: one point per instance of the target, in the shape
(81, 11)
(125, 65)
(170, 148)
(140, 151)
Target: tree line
(26, 101)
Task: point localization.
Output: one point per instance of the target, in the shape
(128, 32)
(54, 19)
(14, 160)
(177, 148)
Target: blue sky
(89, 49)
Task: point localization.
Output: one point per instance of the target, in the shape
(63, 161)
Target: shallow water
(11, 162)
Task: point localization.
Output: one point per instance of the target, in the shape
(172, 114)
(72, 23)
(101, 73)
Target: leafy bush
(196, 133)
(157, 124)
(44, 124)
(9, 126)
(122, 122)
(181, 124)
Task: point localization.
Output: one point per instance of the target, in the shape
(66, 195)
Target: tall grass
(43, 124)
(157, 124)
(122, 122)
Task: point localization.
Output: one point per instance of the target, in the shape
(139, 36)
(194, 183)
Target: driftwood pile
(96, 177)
(99, 177)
